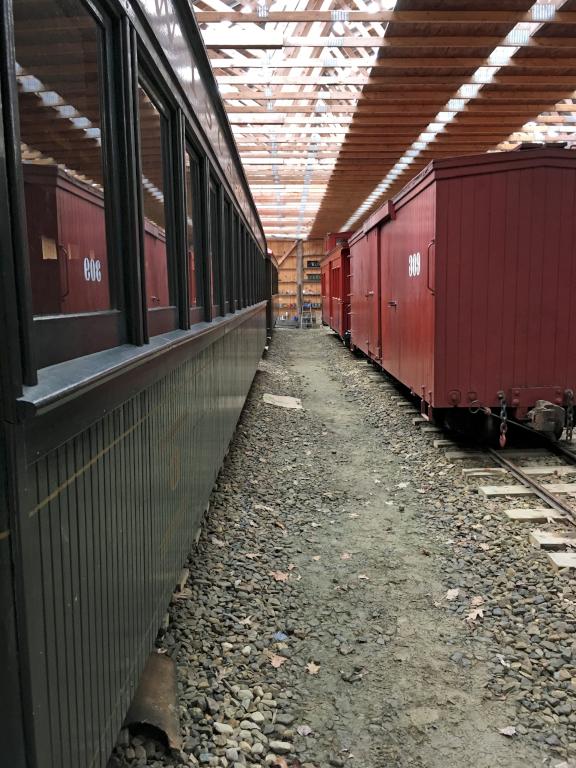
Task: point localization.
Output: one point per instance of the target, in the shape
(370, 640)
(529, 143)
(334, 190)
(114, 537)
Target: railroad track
(558, 508)
(558, 498)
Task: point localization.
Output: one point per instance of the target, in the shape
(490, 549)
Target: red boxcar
(336, 284)
(66, 241)
(67, 246)
(462, 284)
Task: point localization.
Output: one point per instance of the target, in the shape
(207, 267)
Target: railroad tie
(521, 490)
(534, 515)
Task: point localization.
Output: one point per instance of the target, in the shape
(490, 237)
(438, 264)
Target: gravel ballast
(354, 601)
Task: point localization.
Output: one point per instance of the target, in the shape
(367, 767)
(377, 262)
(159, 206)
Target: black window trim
(50, 339)
(197, 314)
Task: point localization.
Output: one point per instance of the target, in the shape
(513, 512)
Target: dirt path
(413, 705)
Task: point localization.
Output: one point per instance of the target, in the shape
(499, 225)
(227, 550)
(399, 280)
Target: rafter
(484, 17)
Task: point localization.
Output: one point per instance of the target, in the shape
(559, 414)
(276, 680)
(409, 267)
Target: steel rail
(538, 490)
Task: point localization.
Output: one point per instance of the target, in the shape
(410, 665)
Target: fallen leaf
(452, 594)
(291, 567)
(363, 576)
(251, 555)
(279, 575)
(353, 515)
(247, 620)
(278, 524)
(345, 556)
(277, 660)
(478, 600)
(316, 557)
(475, 613)
(508, 731)
(304, 730)
(312, 668)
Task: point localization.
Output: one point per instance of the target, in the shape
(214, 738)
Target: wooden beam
(415, 97)
(485, 17)
(412, 62)
(446, 82)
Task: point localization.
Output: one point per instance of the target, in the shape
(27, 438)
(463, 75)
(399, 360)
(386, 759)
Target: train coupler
(548, 418)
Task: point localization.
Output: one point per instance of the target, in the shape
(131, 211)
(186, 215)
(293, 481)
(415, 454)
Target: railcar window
(153, 129)
(216, 270)
(193, 239)
(235, 253)
(228, 256)
(59, 67)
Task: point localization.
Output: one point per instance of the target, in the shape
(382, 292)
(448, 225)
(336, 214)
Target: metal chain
(569, 402)
(503, 419)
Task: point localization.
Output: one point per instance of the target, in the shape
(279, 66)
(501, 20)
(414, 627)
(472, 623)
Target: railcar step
(520, 490)
(535, 515)
(553, 541)
(561, 560)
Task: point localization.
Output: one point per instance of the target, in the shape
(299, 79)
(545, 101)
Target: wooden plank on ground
(561, 560)
(534, 515)
(520, 490)
(441, 442)
(420, 420)
(552, 541)
(483, 471)
(430, 429)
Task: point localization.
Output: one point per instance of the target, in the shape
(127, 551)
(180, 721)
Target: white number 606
(414, 264)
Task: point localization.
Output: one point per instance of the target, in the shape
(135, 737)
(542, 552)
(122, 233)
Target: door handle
(393, 304)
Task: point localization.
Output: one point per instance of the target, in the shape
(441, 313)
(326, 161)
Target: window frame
(227, 222)
(214, 246)
(162, 319)
(53, 339)
(197, 313)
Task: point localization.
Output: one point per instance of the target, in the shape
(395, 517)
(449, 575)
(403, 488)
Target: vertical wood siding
(114, 513)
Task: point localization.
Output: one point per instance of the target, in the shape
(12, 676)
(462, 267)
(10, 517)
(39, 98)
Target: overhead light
(543, 11)
(469, 90)
(501, 55)
(518, 36)
(483, 75)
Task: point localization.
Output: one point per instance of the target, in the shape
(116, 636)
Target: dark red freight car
(66, 241)
(336, 284)
(462, 286)
(67, 246)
